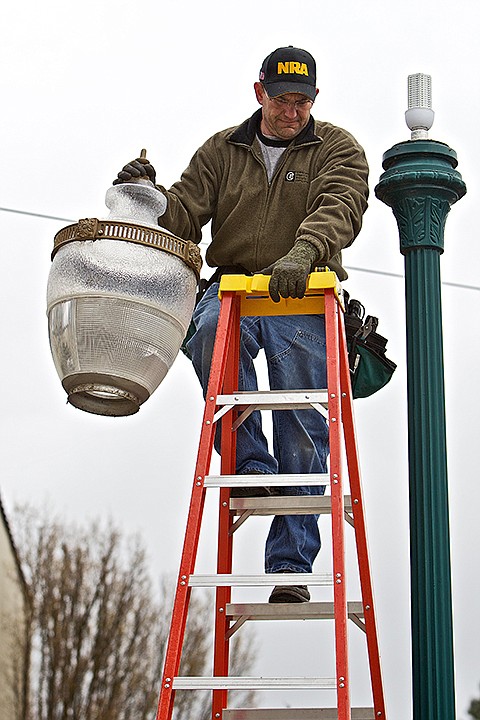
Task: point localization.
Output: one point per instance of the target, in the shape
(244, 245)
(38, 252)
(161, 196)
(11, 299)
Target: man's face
(285, 116)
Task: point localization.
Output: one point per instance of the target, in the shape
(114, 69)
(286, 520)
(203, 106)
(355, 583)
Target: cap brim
(279, 88)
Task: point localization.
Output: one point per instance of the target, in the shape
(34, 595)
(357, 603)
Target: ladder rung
(289, 611)
(271, 400)
(294, 714)
(314, 479)
(276, 399)
(315, 579)
(287, 505)
(253, 683)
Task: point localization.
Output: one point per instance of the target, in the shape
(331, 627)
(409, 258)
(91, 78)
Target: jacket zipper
(270, 191)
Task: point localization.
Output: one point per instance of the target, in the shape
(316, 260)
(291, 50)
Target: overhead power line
(348, 267)
(399, 275)
(33, 214)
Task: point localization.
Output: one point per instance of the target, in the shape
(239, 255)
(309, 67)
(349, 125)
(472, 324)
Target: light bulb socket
(419, 118)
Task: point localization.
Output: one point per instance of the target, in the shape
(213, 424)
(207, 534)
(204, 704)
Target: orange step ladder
(241, 296)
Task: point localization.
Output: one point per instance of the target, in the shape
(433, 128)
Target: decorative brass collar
(93, 229)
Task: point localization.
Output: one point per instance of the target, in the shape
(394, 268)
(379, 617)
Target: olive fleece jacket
(318, 193)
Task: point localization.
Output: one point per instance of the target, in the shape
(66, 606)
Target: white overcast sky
(84, 86)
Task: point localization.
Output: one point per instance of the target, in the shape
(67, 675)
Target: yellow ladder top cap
(319, 280)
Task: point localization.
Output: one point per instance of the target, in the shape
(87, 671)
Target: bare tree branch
(97, 632)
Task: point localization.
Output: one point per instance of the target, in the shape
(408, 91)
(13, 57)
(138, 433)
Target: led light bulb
(419, 116)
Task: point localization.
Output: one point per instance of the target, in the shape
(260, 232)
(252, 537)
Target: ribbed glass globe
(118, 311)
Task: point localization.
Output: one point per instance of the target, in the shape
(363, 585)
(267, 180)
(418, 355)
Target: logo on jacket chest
(296, 176)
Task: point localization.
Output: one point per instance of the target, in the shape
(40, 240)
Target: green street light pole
(420, 184)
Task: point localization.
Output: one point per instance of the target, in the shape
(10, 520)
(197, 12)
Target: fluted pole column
(420, 184)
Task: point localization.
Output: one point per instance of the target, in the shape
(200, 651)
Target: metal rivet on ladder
(334, 419)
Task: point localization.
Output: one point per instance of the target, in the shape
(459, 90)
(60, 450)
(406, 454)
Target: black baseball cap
(289, 70)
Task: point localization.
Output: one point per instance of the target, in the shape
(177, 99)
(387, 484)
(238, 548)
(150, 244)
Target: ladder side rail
(189, 553)
(337, 503)
(225, 536)
(358, 511)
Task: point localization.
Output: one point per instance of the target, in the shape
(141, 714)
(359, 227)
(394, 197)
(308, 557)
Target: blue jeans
(295, 351)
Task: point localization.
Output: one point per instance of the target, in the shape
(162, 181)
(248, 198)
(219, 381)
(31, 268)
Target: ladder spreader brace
(241, 296)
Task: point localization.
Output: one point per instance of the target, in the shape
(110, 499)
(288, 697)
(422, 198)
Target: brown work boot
(289, 594)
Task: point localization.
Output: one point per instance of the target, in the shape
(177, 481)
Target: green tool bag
(370, 369)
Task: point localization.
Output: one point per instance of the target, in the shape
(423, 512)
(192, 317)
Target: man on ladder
(285, 194)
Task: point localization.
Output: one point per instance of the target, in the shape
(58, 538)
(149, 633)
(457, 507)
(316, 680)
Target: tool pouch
(370, 369)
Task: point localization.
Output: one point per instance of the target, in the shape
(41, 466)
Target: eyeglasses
(281, 103)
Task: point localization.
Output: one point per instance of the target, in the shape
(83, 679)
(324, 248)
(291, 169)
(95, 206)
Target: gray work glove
(139, 168)
(290, 272)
